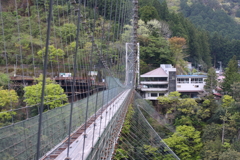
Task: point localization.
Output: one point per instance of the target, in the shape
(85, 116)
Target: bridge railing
(19, 140)
(139, 139)
(105, 145)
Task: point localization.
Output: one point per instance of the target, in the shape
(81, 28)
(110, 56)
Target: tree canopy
(4, 79)
(53, 96)
(8, 101)
(54, 53)
(148, 13)
(185, 142)
(231, 75)
(211, 81)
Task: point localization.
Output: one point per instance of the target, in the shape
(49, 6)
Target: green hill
(211, 15)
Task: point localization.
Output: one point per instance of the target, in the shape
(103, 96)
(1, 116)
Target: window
(183, 80)
(154, 94)
(144, 86)
(157, 86)
(161, 94)
(154, 79)
(196, 80)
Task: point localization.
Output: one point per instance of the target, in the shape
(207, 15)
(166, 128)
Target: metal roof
(191, 76)
(159, 72)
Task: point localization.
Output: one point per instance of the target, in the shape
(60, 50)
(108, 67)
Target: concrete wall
(172, 81)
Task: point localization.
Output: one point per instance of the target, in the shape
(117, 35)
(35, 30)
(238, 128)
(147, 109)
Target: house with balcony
(158, 82)
(190, 85)
(163, 80)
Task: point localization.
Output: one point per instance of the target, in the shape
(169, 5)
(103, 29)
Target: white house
(161, 81)
(190, 85)
(158, 82)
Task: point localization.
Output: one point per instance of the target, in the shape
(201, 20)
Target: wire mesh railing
(138, 139)
(19, 140)
(105, 145)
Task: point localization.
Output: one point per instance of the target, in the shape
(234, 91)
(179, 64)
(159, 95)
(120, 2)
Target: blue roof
(202, 76)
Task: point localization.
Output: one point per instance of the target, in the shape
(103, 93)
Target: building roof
(159, 72)
(217, 94)
(191, 76)
(218, 88)
(220, 77)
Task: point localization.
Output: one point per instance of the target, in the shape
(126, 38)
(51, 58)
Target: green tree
(54, 54)
(127, 122)
(67, 32)
(231, 75)
(142, 31)
(235, 87)
(144, 67)
(40, 79)
(153, 154)
(212, 149)
(193, 111)
(170, 102)
(8, 101)
(187, 106)
(148, 13)
(204, 111)
(4, 79)
(54, 95)
(193, 46)
(152, 151)
(185, 142)
(154, 50)
(211, 81)
(211, 131)
(225, 118)
(205, 48)
(177, 45)
(158, 28)
(164, 12)
(209, 102)
(120, 154)
(227, 102)
(216, 46)
(230, 155)
(183, 120)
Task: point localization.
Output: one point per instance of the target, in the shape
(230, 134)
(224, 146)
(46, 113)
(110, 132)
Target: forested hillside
(212, 17)
(31, 20)
(199, 48)
(220, 19)
(195, 48)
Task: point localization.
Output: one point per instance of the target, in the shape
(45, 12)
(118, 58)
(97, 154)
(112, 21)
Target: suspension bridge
(90, 49)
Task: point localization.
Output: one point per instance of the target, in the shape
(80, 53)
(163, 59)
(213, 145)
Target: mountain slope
(211, 15)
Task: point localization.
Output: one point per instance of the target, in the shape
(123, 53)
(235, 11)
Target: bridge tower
(132, 65)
